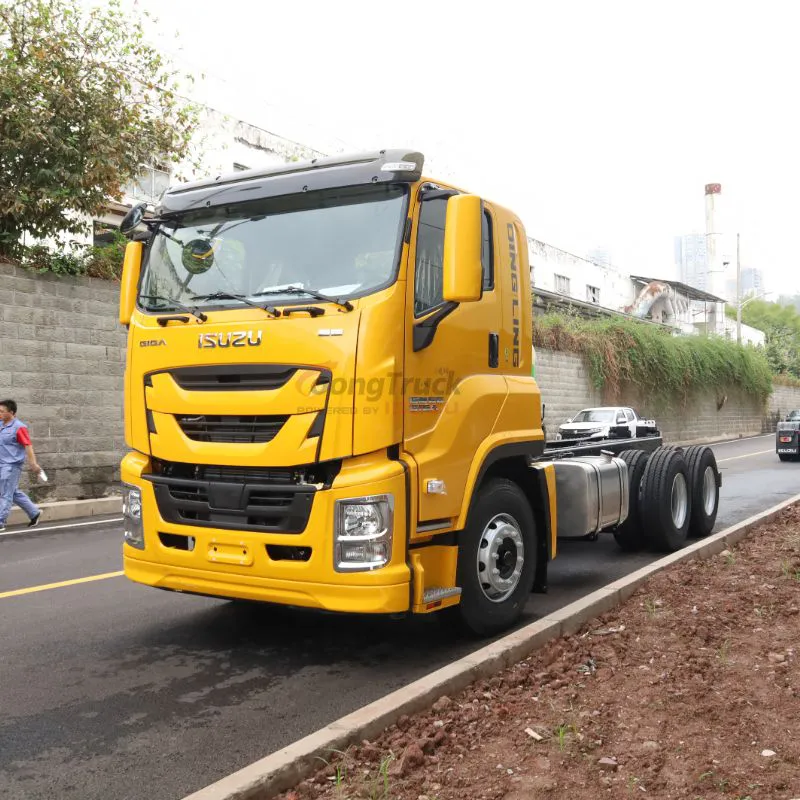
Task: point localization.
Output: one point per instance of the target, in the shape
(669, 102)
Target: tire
(630, 535)
(666, 500)
(501, 520)
(703, 474)
(785, 457)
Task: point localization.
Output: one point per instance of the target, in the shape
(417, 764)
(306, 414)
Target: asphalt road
(113, 691)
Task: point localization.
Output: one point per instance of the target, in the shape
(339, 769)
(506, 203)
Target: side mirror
(620, 420)
(132, 219)
(131, 267)
(462, 280)
(568, 420)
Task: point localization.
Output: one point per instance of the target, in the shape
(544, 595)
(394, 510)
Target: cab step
(436, 593)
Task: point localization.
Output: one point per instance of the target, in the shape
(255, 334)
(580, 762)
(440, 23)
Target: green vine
(621, 352)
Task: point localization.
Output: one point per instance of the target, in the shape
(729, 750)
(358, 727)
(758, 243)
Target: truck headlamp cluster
(133, 530)
(363, 531)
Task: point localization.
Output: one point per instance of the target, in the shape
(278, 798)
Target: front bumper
(241, 564)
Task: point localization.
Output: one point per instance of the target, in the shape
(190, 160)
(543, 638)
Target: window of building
(592, 294)
(151, 183)
(428, 273)
(562, 284)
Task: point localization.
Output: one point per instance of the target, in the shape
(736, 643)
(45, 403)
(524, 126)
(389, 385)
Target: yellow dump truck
(329, 402)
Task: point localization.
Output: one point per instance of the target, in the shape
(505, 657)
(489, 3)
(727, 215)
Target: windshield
(343, 243)
(594, 415)
(794, 416)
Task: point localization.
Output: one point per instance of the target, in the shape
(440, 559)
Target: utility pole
(738, 294)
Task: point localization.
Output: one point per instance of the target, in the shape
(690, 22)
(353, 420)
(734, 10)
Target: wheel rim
(680, 500)
(709, 491)
(501, 554)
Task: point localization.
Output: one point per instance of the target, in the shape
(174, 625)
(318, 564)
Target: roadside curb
(71, 509)
(285, 768)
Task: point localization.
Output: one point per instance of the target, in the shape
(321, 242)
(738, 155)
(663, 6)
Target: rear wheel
(666, 500)
(785, 457)
(630, 536)
(702, 464)
(496, 558)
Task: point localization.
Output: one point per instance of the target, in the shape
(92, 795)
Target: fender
(492, 449)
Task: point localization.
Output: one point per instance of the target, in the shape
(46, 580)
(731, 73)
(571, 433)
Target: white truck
(606, 422)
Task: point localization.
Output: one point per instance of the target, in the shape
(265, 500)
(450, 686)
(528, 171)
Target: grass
(651, 606)
(724, 652)
(621, 353)
(789, 572)
(368, 786)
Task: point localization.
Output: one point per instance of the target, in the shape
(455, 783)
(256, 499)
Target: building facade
(691, 259)
(563, 280)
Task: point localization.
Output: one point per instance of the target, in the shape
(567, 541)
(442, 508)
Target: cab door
(452, 392)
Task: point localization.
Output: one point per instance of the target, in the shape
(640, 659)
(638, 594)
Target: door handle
(494, 350)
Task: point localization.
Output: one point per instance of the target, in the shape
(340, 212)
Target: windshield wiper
(178, 305)
(324, 298)
(240, 297)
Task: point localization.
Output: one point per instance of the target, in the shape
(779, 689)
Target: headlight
(132, 516)
(363, 533)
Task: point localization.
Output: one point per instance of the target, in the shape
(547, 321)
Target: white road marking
(61, 527)
(746, 455)
(743, 439)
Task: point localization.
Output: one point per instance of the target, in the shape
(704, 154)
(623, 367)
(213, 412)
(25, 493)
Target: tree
(781, 326)
(84, 101)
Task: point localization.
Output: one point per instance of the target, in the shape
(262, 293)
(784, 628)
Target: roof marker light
(399, 166)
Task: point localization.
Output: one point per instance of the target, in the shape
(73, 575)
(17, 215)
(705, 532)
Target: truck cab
(329, 390)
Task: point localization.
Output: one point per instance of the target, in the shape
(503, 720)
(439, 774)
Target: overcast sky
(599, 123)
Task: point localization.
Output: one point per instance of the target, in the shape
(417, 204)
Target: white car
(597, 423)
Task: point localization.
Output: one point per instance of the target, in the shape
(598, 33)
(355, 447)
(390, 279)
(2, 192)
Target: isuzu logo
(235, 339)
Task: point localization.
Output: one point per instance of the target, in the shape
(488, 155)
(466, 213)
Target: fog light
(363, 533)
(133, 530)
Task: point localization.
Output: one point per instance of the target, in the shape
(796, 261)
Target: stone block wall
(703, 416)
(62, 357)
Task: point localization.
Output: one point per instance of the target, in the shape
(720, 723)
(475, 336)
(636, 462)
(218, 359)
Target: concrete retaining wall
(703, 416)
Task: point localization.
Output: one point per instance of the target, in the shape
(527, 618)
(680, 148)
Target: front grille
(254, 499)
(574, 434)
(230, 429)
(246, 475)
(233, 377)
(279, 509)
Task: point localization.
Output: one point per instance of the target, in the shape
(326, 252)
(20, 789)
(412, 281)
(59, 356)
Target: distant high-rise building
(752, 281)
(691, 258)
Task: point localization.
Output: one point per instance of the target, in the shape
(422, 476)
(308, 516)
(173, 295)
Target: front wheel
(496, 558)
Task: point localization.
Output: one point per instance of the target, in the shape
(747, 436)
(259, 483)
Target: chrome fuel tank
(591, 494)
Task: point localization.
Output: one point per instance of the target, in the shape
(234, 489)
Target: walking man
(15, 444)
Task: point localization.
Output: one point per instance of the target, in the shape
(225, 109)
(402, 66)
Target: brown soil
(688, 690)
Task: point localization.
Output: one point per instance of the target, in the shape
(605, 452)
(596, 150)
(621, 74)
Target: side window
(629, 414)
(430, 256)
(487, 253)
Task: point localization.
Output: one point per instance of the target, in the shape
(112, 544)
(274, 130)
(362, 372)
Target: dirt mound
(689, 690)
